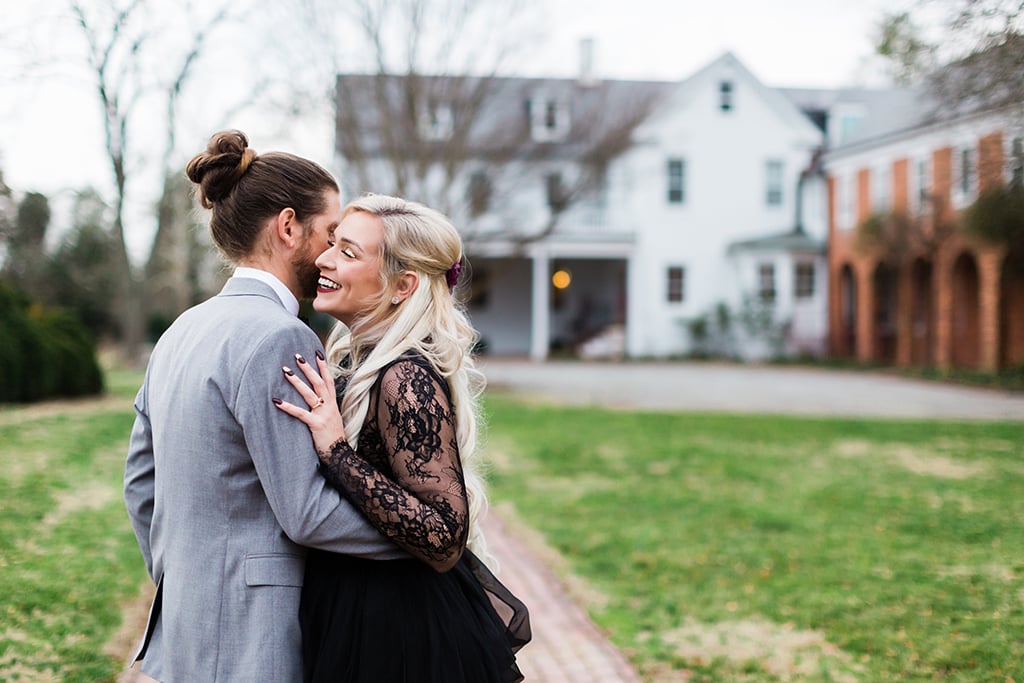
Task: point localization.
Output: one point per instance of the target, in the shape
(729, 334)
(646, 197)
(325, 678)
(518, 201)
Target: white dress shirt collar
(288, 299)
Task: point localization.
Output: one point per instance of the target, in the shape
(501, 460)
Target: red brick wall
(900, 190)
(990, 162)
(976, 312)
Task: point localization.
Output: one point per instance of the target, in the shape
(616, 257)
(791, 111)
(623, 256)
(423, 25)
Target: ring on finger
(319, 402)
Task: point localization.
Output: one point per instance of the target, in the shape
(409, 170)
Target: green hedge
(44, 353)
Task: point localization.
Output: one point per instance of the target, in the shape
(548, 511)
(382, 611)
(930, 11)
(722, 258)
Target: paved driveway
(715, 387)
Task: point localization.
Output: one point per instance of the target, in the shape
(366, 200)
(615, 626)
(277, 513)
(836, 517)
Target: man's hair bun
(217, 170)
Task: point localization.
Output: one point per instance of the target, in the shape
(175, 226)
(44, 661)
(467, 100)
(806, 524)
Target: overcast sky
(50, 137)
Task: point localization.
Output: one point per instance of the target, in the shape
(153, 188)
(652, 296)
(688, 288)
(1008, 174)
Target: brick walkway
(566, 646)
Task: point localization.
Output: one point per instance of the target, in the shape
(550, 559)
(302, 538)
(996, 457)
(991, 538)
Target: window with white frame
(773, 182)
(923, 185)
(844, 202)
(557, 192)
(478, 193)
(676, 181)
(675, 291)
(966, 173)
(882, 190)
(725, 95)
(1015, 175)
(549, 119)
(766, 282)
(436, 121)
(803, 280)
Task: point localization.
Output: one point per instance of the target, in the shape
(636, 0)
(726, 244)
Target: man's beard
(307, 272)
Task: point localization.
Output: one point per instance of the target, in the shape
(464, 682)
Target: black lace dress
(438, 618)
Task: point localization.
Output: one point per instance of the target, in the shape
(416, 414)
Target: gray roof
(885, 110)
(790, 240)
(501, 121)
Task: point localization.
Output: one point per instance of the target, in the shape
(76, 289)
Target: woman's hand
(323, 416)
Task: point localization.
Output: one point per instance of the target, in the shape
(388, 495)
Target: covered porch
(564, 298)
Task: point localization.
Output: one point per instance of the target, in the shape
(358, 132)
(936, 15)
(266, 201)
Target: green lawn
(732, 548)
(68, 557)
(714, 548)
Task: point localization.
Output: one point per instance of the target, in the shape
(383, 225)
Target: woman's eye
(330, 243)
(348, 252)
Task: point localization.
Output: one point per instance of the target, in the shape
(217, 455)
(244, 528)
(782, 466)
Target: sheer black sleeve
(423, 509)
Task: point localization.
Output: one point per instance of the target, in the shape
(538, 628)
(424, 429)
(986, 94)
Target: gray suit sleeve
(138, 478)
(309, 510)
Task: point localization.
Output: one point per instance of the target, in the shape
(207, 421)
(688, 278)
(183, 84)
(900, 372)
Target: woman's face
(350, 282)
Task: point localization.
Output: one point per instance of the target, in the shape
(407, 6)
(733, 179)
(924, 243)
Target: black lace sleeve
(424, 508)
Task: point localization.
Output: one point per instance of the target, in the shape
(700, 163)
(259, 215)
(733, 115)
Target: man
(221, 487)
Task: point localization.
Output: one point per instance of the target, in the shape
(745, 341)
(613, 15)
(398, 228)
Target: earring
(394, 300)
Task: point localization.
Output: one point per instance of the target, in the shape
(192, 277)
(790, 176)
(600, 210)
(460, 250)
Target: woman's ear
(408, 281)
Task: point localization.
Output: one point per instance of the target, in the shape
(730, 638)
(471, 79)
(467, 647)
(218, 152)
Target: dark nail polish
(300, 358)
(277, 401)
(288, 371)
(319, 355)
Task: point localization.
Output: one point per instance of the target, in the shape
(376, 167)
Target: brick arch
(883, 313)
(922, 313)
(1011, 312)
(964, 321)
(847, 311)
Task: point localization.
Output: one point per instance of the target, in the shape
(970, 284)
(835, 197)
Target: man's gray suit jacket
(223, 491)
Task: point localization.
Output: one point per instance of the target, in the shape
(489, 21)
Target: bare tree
(135, 57)
(428, 114)
(969, 53)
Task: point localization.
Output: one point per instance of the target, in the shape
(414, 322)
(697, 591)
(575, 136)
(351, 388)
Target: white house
(705, 233)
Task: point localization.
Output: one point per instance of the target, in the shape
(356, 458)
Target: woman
(401, 446)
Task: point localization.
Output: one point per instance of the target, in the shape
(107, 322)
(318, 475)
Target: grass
(714, 548)
(68, 557)
(738, 548)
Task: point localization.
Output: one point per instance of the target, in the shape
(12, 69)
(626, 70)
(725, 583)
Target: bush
(44, 353)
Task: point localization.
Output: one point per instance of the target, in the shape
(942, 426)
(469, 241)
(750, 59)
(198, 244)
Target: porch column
(865, 351)
(942, 288)
(540, 307)
(989, 267)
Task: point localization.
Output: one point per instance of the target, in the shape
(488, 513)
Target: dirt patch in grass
(121, 646)
(923, 462)
(917, 460)
(17, 667)
(79, 406)
(86, 495)
(781, 650)
(999, 572)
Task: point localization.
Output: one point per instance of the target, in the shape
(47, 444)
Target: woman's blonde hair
(430, 322)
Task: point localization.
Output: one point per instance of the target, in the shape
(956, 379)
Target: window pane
(766, 282)
(773, 182)
(676, 283)
(1017, 162)
(676, 179)
(804, 277)
(725, 95)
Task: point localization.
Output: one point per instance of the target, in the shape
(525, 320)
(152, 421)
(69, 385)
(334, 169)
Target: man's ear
(407, 283)
(286, 228)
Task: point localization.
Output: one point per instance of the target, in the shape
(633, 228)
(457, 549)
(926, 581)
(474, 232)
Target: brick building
(907, 284)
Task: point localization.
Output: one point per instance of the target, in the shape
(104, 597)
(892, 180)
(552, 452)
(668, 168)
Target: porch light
(561, 279)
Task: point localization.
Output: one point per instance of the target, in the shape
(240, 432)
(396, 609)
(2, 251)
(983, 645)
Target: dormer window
(725, 102)
(549, 119)
(436, 121)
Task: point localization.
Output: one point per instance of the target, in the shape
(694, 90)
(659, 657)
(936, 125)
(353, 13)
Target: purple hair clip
(452, 276)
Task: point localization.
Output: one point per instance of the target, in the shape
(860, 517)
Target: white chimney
(587, 78)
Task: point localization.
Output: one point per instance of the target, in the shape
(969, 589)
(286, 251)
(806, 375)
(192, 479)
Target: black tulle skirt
(402, 622)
